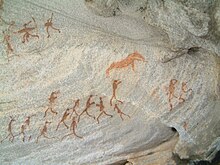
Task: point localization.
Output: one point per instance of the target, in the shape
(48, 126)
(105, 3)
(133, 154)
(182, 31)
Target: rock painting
(52, 99)
(29, 30)
(10, 135)
(129, 60)
(49, 24)
(172, 95)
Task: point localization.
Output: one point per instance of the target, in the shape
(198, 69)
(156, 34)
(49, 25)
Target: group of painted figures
(28, 30)
(72, 113)
(114, 102)
(69, 113)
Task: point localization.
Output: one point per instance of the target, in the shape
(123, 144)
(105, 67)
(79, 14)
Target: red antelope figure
(129, 60)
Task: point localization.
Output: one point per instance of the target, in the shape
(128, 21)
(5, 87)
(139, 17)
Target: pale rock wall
(75, 61)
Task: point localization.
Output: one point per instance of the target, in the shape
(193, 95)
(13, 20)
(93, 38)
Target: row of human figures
(171, 92)
(74, 115)
(29, 30)
(126, 62)
(70, 113)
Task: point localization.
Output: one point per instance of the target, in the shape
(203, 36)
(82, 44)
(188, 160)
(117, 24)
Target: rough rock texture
(178, 41)
(187, 23)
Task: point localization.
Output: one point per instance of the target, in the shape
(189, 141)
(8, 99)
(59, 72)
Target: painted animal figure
(129, 60)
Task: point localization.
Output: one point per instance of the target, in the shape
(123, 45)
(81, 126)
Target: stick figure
(102, 111)
(88, 105)
(29, 138)
(52, 98)
(129, 60)
(185, 125)
(43, 132)
(7, 40)
(48, 24)
(24, 127)
(114, 88)
(27, 31)
(73, 126)
(76, 104)
(183, 90)
(65, 115)
(10, 135)
(22, 132)
(171, 91)
(27, 121)
(120, 112)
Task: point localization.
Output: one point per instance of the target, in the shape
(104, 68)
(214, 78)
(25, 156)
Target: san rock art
(73, 126)
(184, 91)
(171, 92)
(65, 115)
(24, 127)
(114, 88)
(185, 125)
(76, 105)
(7, 41)
(88, 105)
(102, 109)
(119, 111)
(49, 24)
(154, 93)
(52, 99)
(10, 135)
(43, 132)
(129, 60)
(27, 31)
(68, 113)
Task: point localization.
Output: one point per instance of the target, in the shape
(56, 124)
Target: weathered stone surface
(162, 154)
(187, 23)
(170, 35)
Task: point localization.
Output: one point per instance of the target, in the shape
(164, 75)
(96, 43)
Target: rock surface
(170, 83)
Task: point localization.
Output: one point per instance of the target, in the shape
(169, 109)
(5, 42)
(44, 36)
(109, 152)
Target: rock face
(109, 82)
